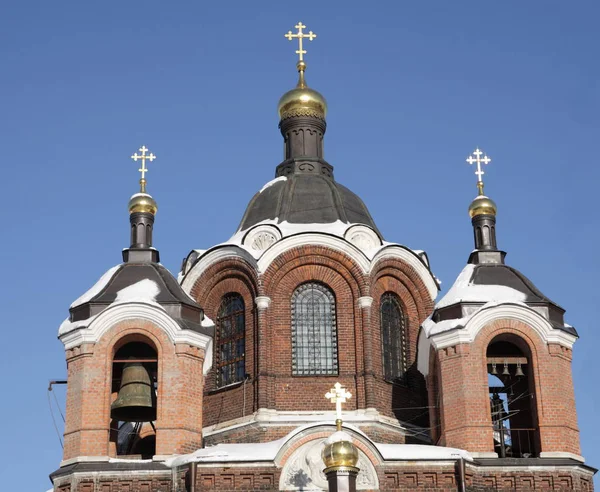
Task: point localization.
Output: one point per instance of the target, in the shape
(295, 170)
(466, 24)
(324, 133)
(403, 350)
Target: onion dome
(482, 205)
(142, 203)
(340, 454)
(302, 100)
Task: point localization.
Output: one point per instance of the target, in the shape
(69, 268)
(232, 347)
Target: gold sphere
(340, 453)
(482, 205)
(302, 100)
(142, 202)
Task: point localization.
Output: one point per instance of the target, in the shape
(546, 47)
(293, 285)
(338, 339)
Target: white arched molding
(312, 239)
(412, 259)
(518, 312)
(211, 257)
(480, 320)
(115, 314)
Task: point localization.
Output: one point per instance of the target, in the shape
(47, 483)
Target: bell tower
(497, 355)
(136, 346)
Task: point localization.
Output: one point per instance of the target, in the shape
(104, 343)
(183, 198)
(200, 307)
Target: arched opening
(134, 402)
(512, 398)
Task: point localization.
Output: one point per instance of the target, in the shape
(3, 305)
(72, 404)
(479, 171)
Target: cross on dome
(338, 395)
(143, 170)
(475, 158)
(300, 35)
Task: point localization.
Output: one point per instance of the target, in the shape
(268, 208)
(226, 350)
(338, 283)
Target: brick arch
(285, 274)
(408, 276)
(317, 256)
(412, 393)
(553, 384)
(226, 268)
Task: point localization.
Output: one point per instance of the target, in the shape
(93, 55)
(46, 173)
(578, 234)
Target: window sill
(227, 387)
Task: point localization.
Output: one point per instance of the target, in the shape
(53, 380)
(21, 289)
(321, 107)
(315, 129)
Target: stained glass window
(314, 332)
(230, 346)
(393, 336)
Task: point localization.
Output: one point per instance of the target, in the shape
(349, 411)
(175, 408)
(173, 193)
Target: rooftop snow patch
(142, 291)
(96, 289)
(464, 290)
(272, 182)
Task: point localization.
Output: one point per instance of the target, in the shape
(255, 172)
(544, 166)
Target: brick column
(262, 304)
(86, 425)
(365, 303)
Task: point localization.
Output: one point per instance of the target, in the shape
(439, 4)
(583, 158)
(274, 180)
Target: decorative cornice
(302, 112)
(113, 315)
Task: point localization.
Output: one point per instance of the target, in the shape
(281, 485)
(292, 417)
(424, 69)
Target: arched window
(314, 332)
(230, 347)
(393, 336)
(512, 398)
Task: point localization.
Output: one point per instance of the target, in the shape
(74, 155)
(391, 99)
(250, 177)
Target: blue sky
(412, 88)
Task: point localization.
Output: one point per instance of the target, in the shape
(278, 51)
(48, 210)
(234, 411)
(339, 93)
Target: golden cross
(338, 395)
(143, 169)
(479, 161)
(300, 35)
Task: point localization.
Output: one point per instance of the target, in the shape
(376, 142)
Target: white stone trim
(134, 310)
(483, 454)
(85, 459)
(365, 302)
(211, 257)
(518, 312)
(263, 302)
(413, 260)
(562, 454)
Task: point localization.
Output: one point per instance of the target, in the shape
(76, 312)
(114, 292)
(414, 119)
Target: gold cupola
(340, 454)
(142, 202)
(482, 205)
(302, 100)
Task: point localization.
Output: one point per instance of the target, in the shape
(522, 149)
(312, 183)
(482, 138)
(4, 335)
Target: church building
(216, 379)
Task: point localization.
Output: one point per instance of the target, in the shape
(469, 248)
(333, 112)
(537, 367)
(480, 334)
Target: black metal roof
(306, 199)
(170, 294)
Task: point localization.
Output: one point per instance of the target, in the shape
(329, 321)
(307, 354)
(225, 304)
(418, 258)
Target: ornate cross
(338, 395)
(300, 35)
(479, 161)
(143, 169)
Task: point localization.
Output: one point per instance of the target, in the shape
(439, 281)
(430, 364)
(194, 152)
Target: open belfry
(308, 353)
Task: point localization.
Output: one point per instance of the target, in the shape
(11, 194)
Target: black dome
(306, 199)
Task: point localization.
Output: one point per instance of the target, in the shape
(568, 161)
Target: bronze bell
(136, 401)
(519, 370)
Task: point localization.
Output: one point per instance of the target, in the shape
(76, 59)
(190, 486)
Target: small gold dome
(302, 100)
(142, 202)
(340, 453)
(482, 205)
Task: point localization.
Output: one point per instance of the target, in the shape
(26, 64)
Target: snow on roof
(421, 452)
(142, 291)
(207, 322)
(267, 451)
(96, 289)
(272, 182)
(463, 290)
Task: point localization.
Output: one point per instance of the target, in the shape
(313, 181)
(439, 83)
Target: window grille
(393, 336)
(314, 332)
(230, 346)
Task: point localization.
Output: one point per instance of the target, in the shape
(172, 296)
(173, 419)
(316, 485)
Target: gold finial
(338, 395)
(143, 169)
(479, 160)
(300, 35)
